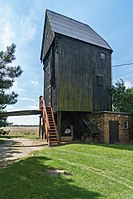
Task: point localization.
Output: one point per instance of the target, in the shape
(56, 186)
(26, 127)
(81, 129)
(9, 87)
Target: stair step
(53, 140)
(53, 133)
(52, 137)
(52, 129)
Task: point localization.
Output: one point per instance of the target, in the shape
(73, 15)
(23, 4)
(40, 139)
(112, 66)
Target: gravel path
(17, 148)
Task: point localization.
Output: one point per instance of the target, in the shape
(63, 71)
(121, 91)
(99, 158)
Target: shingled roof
(75, 29)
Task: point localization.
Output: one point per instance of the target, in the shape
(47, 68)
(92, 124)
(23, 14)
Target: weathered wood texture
(72, 70)
(78, 69)
(50, 89)
(20, 113)
(48, 38)
(75, 76)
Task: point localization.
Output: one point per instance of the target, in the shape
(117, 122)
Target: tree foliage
(8, 73)
(122, 97)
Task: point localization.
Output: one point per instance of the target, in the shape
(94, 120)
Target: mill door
(113, 132)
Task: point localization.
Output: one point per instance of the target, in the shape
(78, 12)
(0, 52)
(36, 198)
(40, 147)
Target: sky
(22, 22)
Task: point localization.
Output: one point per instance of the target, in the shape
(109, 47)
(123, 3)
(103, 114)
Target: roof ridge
(70, 18)
(85, 26)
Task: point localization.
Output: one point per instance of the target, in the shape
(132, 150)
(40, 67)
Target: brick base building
(113, 127)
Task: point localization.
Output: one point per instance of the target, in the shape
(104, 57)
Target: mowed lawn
(87, 172)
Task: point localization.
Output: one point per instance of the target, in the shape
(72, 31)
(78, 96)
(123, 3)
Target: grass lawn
(91, 172)
(2, 141)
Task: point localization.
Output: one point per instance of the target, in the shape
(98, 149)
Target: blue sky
(21, 22)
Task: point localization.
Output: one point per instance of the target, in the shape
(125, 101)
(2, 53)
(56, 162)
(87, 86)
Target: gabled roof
(74, 29)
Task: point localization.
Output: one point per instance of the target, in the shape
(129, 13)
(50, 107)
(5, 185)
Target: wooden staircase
(47, 118)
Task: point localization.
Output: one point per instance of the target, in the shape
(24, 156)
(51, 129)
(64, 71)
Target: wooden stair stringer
(53, 138)
(47, 116)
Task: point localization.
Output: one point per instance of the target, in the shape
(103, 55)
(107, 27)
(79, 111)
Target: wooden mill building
(77, 70)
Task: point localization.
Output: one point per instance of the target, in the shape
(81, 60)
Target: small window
(126, 125)
(99, 80)
(103, 56)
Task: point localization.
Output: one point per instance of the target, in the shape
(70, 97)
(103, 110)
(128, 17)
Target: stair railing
(54, 120)
(42, 107)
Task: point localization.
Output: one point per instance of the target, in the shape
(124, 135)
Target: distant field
(24, 131)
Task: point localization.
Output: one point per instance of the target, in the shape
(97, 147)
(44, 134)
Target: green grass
(2, 141)
(93, 172)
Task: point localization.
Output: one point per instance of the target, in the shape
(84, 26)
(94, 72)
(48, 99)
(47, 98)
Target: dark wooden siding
(47, 39)
(79, 66)
(50, 80)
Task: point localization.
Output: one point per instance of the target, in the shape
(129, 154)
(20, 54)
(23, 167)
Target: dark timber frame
(77, 69)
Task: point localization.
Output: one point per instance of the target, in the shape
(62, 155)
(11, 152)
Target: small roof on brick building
(75, 29)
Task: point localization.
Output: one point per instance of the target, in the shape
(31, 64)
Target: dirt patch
(56, 172)
(16, 148)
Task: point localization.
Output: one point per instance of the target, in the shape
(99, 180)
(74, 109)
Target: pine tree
(8, 73)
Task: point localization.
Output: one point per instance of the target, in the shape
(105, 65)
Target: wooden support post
(71, 128)
(43, 131)
(40, 126)
(59, 124)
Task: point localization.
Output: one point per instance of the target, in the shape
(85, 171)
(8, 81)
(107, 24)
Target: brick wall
(102, 119)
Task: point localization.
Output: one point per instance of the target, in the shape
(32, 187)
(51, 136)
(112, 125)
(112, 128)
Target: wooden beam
(59, 124)
(20, 113)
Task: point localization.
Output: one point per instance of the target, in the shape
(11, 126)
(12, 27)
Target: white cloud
(11, 108)
(34, 82)
(128, 84)
(33, 107)
(16, 87)
(27, 99)
(7, 35)
(28, 29)
(27, 120)
(6, 29)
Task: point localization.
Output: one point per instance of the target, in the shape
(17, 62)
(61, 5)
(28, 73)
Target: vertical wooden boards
(79, 64)
(48, 37)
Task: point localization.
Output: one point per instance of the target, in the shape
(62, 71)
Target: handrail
(53, 119)
(42, 107)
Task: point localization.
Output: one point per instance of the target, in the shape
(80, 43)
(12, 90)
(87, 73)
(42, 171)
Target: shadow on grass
(30, 178)
(7, 152)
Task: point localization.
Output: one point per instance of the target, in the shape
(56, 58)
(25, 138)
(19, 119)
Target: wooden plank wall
(47, 38)
(50, 80)
(79, 64)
